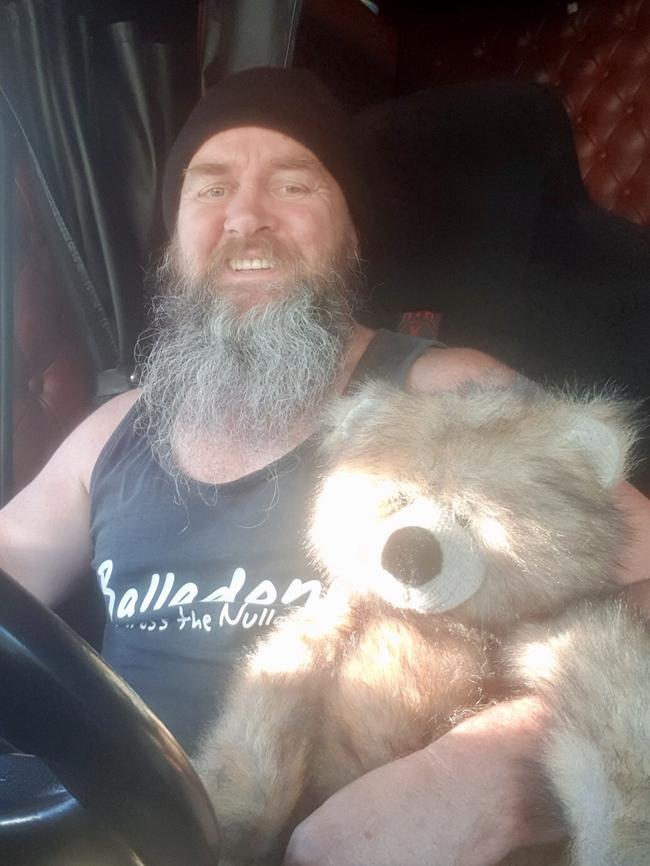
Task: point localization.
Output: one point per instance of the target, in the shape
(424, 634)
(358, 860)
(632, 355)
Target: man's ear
(604, 431)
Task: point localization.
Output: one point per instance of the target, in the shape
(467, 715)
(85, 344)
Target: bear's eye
(394, 504)
(462, 518)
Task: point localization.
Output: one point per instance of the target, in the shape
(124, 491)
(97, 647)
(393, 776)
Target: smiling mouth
(239, 265)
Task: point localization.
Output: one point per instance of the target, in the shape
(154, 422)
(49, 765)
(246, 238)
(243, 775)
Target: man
(188, 496)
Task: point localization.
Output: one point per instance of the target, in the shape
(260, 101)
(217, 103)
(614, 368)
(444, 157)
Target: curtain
(98, 94)
(99, 91)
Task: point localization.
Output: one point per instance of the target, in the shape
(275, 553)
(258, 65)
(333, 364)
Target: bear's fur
(470, 540)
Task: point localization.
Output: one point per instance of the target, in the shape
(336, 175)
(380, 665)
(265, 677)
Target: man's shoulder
(91, 436)
(441, 369)
(112, 412)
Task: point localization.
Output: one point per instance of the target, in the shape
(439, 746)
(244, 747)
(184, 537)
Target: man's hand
(634, 558)
(466, 800)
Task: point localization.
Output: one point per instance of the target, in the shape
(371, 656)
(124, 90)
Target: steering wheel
(132, 795)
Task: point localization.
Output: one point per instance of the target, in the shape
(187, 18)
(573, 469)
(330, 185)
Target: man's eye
(292, 190)
(213, 192)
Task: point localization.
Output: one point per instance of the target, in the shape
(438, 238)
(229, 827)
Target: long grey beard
(214, 373)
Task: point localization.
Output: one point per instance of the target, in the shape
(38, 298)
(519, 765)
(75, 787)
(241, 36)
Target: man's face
(255, 300)
(257, 208)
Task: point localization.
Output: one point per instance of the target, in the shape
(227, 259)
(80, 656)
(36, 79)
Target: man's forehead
(231, 146)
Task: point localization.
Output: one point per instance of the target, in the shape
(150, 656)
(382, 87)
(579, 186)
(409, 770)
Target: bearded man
(188, 495)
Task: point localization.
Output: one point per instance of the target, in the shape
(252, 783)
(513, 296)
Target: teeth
(250, 264)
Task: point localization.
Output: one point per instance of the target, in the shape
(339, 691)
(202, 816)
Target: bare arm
(44, 530)
(465, 800)
(634, 562)
(442, 369)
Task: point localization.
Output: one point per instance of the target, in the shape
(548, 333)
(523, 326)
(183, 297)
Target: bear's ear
(356, 411)
(603, 431)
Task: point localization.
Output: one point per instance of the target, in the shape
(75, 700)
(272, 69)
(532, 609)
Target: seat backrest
(479, 214)
(595, 56)
(457, 177)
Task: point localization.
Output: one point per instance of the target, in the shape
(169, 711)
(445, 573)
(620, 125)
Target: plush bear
(470, 542)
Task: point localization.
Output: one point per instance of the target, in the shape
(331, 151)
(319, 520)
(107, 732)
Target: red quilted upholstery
(597, 55)
(51, 372)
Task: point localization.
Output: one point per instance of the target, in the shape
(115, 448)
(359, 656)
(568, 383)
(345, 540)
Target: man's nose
(247, 213)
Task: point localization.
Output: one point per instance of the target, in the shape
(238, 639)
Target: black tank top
(190, 581)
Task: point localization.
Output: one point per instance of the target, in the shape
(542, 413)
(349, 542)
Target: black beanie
(291, 101)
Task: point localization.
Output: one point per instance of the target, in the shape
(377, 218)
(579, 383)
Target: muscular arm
(44, 530)
(634, 562)
(466, 800)
(443, 369)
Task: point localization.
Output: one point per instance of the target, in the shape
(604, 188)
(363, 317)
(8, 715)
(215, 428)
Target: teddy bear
(469, 539)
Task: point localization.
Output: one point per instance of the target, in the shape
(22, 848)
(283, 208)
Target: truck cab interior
(507, 150)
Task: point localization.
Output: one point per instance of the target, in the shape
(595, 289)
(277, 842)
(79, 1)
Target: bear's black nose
(413, 555)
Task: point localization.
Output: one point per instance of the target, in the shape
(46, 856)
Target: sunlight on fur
(389, 647)
(539, 660)
(353, 519)
(282, 653)
(493, 534)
